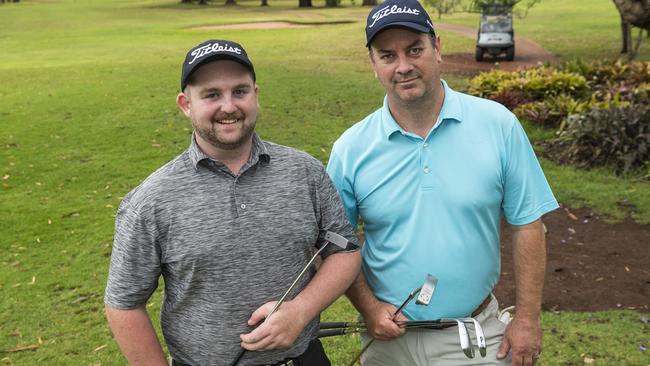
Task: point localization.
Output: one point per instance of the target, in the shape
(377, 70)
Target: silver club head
(480, 337)
(336, 239)
(465, 342)
(427, 290)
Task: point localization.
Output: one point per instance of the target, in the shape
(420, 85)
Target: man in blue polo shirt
(430, 174)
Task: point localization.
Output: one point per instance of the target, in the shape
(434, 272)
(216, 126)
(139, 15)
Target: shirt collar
(258, 152)
(451, 110)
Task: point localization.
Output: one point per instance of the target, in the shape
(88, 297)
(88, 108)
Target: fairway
(87, 111)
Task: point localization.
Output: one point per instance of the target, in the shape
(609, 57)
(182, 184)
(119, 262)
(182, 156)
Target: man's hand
(278, 331)
(381, 323)
(523, 337)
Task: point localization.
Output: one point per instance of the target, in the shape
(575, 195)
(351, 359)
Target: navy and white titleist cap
(397, 13)
(214, 50)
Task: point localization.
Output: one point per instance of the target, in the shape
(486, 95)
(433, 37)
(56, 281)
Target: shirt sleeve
(332, 215)
(135, 259)
(344, 187)
(527, 194)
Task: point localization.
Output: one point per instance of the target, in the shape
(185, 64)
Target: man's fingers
(503, 350)
(257, 343)
(260, 313)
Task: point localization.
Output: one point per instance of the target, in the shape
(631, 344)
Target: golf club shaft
(277, 304)
(408, 299)
(336, 325)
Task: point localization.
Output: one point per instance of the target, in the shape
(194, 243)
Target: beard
(217, 139)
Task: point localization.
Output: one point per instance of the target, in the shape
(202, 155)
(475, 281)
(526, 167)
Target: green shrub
(551, 111)
(535, 83)
(616, 136)
(601, 72)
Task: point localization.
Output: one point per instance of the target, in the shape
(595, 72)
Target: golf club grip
(331, 332)
(335, 325)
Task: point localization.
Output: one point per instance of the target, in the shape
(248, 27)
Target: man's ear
(183, 102)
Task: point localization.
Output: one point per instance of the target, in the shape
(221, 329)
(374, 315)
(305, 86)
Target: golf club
(330, 237)
(335, 329)
(427, 289)
(480, 337)
(465, 342)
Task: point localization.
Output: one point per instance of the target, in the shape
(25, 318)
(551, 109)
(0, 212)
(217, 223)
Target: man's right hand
(381, 322)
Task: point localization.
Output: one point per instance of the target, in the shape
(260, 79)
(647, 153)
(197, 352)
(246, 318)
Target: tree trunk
(186, 1)
(635, 12)
(331, 3)
(230, 2)
(203, 2)
(627, 33)
(369, 3)
(265, 3)
(304, 3)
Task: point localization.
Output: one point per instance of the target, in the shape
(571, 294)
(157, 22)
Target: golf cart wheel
(479, 54)
(510, 53)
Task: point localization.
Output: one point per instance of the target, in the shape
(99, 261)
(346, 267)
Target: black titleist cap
(214, 50)
(397, 13)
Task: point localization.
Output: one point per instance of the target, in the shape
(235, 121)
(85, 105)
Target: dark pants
(313, 356)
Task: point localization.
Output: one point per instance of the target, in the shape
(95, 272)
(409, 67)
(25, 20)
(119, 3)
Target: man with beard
(431, 174)
(229, 224)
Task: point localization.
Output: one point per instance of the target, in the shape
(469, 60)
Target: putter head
(480, 336)
(427, 290)
(339, 241)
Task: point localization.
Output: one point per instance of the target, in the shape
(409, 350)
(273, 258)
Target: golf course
(88, 111)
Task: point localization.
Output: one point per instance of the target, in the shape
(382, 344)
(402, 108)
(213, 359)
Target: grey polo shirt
(224, 245)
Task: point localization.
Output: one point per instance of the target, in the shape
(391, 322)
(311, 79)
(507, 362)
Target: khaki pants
(439, 347)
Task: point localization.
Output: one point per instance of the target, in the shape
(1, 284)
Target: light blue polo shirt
(434, 205)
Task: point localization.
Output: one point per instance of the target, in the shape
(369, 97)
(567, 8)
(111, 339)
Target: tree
(230, 2)
(369, 3)
(332, 3)
(633, 13)
(265, 3)
(485, 5)
(304, 3)
(443, 6)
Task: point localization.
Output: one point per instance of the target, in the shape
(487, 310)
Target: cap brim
(409, 25)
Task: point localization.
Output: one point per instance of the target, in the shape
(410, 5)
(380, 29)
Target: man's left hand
(278, 331)
(523, 338)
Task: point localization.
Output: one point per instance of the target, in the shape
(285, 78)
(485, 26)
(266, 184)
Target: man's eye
(240, 92)
(386, 56)
(211, 95)
(415, 51)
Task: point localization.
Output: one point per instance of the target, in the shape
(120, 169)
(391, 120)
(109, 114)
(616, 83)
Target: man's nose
(404, 65)
(228, 105)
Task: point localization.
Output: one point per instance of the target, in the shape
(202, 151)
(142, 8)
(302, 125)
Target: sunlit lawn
(87, 111)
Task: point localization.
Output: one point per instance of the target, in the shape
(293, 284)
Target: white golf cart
(495, 35)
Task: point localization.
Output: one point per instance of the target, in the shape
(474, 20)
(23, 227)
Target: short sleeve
(331, 213)
(527, 194)
(135, 259)
(344, 188)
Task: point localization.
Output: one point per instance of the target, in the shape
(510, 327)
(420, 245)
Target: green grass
(87, 112)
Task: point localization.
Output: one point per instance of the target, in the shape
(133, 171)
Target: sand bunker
(264, 25)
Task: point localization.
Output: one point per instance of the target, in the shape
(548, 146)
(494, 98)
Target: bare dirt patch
(260, 25)
(592, 265)
(267, 25)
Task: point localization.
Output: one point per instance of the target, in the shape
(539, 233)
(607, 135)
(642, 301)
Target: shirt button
(426, 170)
(243, 206)
(425, 145)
